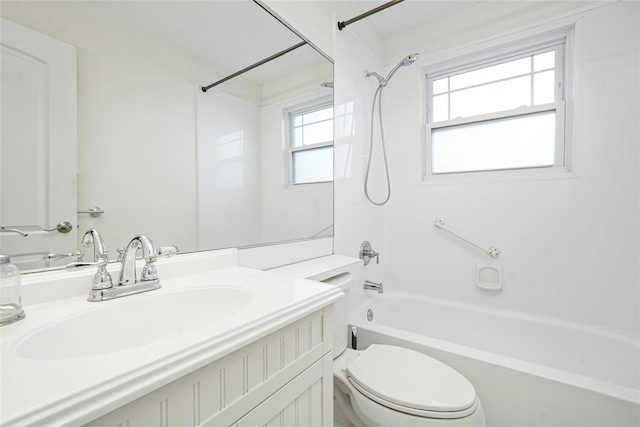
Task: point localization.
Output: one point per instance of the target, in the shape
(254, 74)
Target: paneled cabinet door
(305, 401)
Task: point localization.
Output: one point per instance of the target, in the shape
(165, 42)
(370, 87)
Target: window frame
(560, 40)
(288, 117)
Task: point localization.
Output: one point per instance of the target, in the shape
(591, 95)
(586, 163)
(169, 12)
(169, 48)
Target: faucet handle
(77, 255)
(84, 264)
(149, 271)
(102, 278)
(367, 252)
(165, 251)
(168, 251)
(120, 251)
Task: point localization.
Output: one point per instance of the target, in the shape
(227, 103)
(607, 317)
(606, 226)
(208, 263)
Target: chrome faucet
(93, 238)
(102, 287)
(373, 286)
(128, 273)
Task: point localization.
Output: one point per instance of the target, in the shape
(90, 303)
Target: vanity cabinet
(284, 378)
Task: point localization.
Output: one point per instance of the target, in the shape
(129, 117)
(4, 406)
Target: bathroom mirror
(156, 154)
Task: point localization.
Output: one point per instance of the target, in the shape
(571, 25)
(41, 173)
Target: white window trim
(311, 105)
(493, 51)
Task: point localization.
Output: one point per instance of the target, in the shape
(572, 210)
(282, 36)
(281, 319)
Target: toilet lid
(410, 379)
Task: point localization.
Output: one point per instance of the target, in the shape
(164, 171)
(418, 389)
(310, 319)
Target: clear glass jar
(10, 300)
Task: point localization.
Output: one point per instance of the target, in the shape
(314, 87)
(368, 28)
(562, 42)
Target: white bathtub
(527, 370)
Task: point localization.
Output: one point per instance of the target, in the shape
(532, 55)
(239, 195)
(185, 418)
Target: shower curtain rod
(257, 64)
(343, 24)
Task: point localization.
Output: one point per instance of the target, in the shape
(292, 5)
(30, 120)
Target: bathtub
(527, 370)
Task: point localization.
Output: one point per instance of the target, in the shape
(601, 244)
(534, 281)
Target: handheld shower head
(410, 59)
(382, 83)
(404, 63)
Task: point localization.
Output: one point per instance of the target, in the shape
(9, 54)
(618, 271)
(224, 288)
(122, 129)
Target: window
(500, 112)
(310, 142)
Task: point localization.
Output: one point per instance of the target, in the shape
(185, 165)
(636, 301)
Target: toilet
(387, 385)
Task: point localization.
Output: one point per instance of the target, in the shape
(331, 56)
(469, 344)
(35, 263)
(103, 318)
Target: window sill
(513, 175)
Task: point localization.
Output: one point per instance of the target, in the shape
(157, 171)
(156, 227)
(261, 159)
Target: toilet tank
(334, 270)
(340, 312)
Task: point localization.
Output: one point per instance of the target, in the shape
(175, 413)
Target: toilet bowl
(387, 385)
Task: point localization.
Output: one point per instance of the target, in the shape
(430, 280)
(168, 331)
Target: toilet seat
(411, 382)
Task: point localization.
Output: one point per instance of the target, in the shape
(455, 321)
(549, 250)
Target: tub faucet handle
(367, 252)
(376, 255)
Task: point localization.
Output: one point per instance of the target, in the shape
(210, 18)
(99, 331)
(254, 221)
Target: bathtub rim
(628, 336)
(626, 393)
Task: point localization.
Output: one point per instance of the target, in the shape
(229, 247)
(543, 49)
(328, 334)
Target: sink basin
(133, 321)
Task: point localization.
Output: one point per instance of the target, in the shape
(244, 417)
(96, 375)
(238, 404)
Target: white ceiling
(409, 14)
(228, 28)
(233, 34)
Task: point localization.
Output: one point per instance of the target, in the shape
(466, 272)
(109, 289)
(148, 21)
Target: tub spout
(373, 286)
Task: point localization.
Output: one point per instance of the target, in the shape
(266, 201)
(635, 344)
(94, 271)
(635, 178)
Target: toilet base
(343, 414)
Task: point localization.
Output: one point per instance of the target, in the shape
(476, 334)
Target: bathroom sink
(132, 322)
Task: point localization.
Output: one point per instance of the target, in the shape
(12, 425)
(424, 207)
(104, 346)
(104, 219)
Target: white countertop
(64, 390)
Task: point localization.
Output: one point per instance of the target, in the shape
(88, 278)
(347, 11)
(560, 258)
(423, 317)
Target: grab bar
(492, 252)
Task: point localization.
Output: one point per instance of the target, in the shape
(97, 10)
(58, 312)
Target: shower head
(328, 85)
(404, 63)
(410, 59)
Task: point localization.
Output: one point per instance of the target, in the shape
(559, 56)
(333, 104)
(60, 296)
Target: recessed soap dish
(489, 276)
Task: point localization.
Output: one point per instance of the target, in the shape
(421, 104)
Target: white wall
(570, 246)
(356, 220)
(229, 170)
(478, 22)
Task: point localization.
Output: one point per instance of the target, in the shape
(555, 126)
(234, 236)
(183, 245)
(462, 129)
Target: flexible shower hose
(378, 94)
